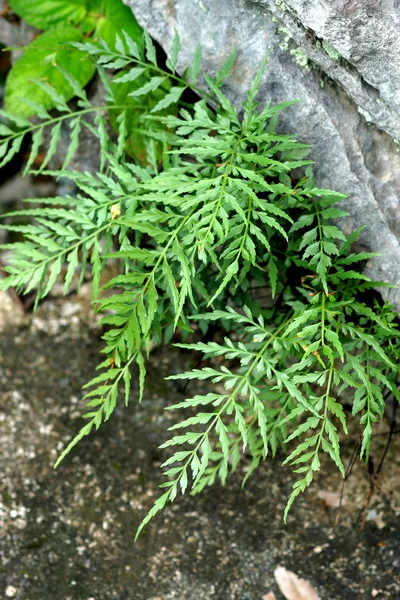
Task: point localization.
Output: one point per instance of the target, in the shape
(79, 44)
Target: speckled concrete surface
(68, 534)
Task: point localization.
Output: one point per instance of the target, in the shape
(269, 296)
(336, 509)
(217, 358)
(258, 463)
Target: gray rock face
(356, 43)
(342, 57)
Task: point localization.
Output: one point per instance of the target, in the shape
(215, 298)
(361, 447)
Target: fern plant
(212, 209)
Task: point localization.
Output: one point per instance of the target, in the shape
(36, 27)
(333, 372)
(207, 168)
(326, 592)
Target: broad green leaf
(106, 18)
(113, 17)
(40, 61)
(44, 14)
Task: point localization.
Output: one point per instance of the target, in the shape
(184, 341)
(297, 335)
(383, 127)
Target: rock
(13, 33)
(11, 311)
(18, 187)
(342, 58)
(356, 43)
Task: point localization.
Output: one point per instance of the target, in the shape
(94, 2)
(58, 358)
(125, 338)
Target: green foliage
(37, 80)
(111, 18)
(50, 13)
(102, 18)
(214, 208)
(135, 107)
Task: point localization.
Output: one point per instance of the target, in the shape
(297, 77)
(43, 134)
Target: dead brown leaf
(269, 596)
(294, 588)
(331, 499)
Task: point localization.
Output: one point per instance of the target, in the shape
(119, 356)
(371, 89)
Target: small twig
(395, 431)
(346, 476)
(374, 475)
(391, 432)
(373, 485)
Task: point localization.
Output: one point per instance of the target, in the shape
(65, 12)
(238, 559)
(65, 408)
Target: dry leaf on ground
(331, 498)
(294, 588)
(269, 596)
